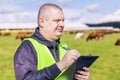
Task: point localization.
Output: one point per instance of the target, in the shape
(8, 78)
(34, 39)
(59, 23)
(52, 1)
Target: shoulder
(26, 49)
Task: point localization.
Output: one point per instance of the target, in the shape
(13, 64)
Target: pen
(65, 48)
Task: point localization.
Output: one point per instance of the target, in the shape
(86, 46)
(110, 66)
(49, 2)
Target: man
(43, 56)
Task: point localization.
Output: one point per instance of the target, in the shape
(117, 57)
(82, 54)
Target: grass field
(107, 67)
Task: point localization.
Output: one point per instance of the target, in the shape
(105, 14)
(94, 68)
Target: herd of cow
(97, 35)
(93, 35)
(7, 33)
(100, 34)
(19, 34)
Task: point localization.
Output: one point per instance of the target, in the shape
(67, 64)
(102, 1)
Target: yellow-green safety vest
(45, 59)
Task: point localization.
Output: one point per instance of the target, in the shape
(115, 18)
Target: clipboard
(85, 61)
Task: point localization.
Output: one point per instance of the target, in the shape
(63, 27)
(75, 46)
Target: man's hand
(83, 75)
(69, 58)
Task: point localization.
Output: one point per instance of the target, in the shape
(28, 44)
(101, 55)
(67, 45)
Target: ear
(41, 22)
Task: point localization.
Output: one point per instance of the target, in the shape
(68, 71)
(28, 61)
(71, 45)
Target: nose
(61, 23)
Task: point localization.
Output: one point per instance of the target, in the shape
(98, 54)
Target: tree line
(113, 24)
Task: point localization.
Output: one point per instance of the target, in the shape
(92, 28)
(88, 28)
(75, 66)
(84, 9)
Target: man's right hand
(69, 58)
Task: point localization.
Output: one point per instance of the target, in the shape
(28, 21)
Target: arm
(25, 65)
(70, 57)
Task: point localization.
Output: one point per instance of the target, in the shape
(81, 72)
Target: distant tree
(114, 24)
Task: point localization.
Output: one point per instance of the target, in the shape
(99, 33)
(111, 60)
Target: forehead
(56, 14)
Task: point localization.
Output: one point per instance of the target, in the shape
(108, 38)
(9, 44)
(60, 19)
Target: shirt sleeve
(25, 65)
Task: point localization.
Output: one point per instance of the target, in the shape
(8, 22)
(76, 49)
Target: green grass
(8, 46)
(106, 67)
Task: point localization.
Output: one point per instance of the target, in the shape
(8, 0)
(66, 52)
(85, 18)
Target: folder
(84, 61)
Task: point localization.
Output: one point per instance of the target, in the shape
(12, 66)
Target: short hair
(45, 7)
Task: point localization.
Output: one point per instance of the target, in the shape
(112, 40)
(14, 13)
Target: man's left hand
(83, 75)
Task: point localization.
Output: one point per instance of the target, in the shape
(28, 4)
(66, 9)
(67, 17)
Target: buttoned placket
(55, 53)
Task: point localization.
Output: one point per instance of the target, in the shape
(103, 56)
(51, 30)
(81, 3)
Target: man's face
(55, 24)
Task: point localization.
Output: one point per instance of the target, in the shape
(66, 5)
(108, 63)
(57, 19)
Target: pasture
(106, 67)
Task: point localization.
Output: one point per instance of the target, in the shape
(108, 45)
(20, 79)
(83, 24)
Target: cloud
(111, 17)
(72, 14)
(8, 9)
(92, 7)
(63, 1)
(11, 12)
(18, 17)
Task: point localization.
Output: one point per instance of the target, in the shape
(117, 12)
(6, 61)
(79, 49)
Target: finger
(81, 77)
(83, 73)
(86, 69)
(75, 52)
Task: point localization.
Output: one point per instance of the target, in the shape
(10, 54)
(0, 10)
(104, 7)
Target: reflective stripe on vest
(45, 59)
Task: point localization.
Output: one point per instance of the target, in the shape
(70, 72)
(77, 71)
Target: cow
(79, 35)
(0, 33)
(95, 35)
(20, 36)
(117, 43)
(6, 33)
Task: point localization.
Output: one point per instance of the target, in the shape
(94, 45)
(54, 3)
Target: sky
(81, 11)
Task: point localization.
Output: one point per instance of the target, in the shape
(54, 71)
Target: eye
(58, 20)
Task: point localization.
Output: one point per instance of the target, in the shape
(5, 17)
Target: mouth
(60, 30)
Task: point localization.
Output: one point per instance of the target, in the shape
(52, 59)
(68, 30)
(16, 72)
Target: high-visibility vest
(45, 59)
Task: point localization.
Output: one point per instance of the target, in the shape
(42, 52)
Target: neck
(45, 35)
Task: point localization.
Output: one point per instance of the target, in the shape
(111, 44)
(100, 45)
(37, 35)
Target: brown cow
(0, 33)
(6, 33)
(95, 35)
(20, 36)
(29, 32)
(117, 43)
